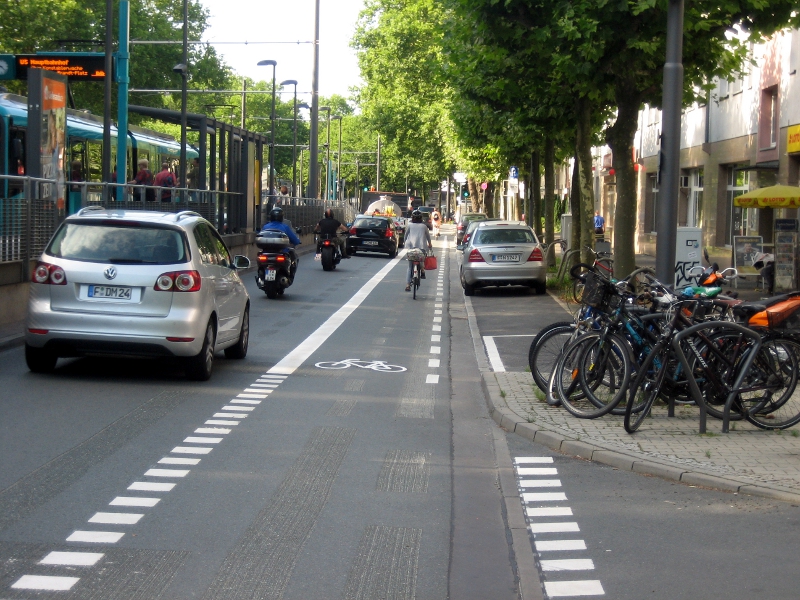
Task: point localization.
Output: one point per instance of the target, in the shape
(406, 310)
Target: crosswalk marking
(560, 589)
(559, 545)
(568, 564)
(72, 559)
(45, 582)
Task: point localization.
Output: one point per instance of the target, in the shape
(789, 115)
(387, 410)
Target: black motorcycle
(328, 251)
(277, 263)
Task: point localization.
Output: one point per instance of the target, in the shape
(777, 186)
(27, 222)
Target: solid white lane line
(190, 450)
(49, 583)
(537, 471)
(173, 460)
(568, 564)
(218, 422)
(116, 518)
(218, 430)
(554, 527)
(262, 396)
(559, 589)
(493, 354)
(533, 460)
(289, 363)
(134, 501)
(433, 362)
(72, 559)
(436, 338)
(202, 440)
(559, 545)
(432, 378)
(166, 473)
(237, 408)
(436, 350)
(150, 486)
(250, 402)
(437, 328)
(544, 497)
(96, 537)
(548, 511)
(232, 415)
(529, 483)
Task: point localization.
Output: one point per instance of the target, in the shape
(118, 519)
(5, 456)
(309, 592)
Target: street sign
(513, 186)
(460, 177)
(513, 173)
(76, 66)
(8, 67)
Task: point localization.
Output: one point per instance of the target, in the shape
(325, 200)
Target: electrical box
(688, 254)
(566, 228)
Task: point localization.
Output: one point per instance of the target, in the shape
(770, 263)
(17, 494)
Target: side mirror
(241, 262)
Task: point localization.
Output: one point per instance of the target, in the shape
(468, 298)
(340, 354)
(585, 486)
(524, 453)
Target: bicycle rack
(694, 388)
(565, 260)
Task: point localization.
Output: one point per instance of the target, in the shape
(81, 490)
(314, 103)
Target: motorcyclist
(417, 236)
(276, 224)
(328, 225)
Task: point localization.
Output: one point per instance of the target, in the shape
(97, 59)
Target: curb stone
(585, 449)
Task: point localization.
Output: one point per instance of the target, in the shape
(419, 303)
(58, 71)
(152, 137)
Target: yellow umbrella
(774, 196)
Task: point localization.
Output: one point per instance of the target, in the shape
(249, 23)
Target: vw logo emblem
(110, 272)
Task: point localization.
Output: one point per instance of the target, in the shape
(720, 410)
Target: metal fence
(305, 213)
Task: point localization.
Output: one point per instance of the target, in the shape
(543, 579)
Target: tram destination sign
(76, 66)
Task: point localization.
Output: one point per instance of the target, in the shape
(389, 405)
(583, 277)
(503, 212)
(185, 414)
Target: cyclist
(436, 217)
(416, 236)
(330, 226)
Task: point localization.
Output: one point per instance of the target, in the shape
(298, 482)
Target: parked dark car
(373, 234)
(464, 220)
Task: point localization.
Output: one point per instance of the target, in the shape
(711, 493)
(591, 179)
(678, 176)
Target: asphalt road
(120, 479)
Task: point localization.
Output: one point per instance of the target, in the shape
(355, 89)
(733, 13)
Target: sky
(288, 21)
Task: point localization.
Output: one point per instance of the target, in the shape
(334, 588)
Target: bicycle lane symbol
(374, 365)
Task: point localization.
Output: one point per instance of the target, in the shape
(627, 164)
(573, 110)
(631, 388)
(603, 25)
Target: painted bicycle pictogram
(375, 365)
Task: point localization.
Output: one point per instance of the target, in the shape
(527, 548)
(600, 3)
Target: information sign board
(76, 66)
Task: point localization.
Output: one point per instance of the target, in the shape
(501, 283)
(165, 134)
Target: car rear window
(118, 244)
(504, 236)
(369, 223)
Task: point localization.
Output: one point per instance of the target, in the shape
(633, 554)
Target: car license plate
(270, 275)
(505, 257)
(370, 243)
(108, 292)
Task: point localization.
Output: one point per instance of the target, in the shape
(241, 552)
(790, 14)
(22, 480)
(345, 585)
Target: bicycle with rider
(417, 236)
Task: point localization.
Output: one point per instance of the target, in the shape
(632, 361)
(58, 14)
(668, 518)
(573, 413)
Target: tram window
(94, 166)
(18, 155)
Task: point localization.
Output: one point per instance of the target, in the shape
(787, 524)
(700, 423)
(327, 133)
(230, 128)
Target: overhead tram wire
(210, 43)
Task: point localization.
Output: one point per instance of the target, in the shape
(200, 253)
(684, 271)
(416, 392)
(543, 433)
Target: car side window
(206, 244)
(222, 249)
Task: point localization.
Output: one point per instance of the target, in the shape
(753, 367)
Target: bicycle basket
(598, 292)
(415, 254)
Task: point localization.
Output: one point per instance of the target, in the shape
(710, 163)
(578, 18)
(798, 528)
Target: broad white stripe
(437, 319)
(150, 486)
(437, 328)
(264, 384)
(115, 518)
(568, 564)
(432, 378)
(537, 471)
(439, 305)
(72, 559)
(217, 430)
(433, 362)
(437, 312)
(530, 483)
(237, 401)
(289, 363)
(436, 338)
(235, 408)
(493, 354)
(218, 422)
(544, 497)
(531, 460)
(190, 450)
(260, 395)
(556, 545)
(559, 589)
(134, 501)
(269, 375)
(166, 473)
(172, 460)
(202, 440)
(49, 583)
(554, 527)
(436, 349)
(96, 537)
(231, 415)
(548, 511)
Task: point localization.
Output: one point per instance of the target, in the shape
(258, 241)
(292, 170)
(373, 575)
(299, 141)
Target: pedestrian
(599, 223)
(166, 180)
(192, 178)
(144, 177)
(437, 222)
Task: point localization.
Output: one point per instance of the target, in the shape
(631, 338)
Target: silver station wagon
(137, 283)
(502, 253)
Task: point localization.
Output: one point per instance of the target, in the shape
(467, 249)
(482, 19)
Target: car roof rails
(89, 209)
(186, 213)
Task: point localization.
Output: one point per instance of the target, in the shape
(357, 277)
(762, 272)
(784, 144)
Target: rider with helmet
(417, 236)
(328, 225)
(276, 224)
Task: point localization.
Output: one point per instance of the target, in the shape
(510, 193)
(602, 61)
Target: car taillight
(536, 255)
(262, 258)
(475, 256)
(352, 231)
(326, 243)
(48, 274)
(280, 258)
(389, 233)
(178, 281)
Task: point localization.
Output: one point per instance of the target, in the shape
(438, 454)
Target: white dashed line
(166, 473)
(537, 471)
(558, 589)
(437, 319)
(529, 483)
(544, 497)
(253, 395)
(533, 460)
(433, 362)
(232, 415)
(150, 486)
(548, 511)
(251, 402)
(568, 564)
(436, 350)
(234, 408)
(437, 328)
(432, 379)
(264, 384)
(436, 338)
(134, 501)
(202, 440)
(559, 545)
(554, 527)
(116, 518)
(218, 422)
(45, 582)
(190, 450)
(217, 430)
(72, 559)
(96, 537)
(173, 460)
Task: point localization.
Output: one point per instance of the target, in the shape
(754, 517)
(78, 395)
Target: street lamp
(328, 149)
(273, 64)
(338, 156)
(183, 70)
(294, 136)
(299, 106)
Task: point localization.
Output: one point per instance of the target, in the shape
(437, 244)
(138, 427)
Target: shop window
(768, 119)
(738, 182)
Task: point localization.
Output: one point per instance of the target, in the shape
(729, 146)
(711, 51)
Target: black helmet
(416, 216)
(276, 214)
(328, 213)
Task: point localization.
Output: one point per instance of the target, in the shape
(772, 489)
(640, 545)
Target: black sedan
(373, 234)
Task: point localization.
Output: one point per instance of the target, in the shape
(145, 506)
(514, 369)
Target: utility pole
(244, 99)
(313, 168)
(378, 174)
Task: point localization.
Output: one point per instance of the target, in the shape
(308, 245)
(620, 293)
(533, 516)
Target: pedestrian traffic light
(466, 194)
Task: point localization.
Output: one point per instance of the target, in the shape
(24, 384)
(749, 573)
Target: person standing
(165, 179)
(599, 223)
(192, 178)
(144, 177)
(437, 222)
(417, 236)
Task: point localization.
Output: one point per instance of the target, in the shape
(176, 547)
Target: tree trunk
(620, 139)
(575, 209)
(549, 189)
(475, 199)
(536, 195)
(584, 151)
(488, 203)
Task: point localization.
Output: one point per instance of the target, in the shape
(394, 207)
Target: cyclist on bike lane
(416, 236)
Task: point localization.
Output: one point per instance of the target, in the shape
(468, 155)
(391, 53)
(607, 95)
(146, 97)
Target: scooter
(277, 263)
(328, 251)
(710, 279)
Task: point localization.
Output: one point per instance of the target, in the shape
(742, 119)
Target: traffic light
(466, 193)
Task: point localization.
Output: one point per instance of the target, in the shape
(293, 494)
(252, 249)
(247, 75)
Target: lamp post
(294, 136)
(313, 168)
(273, 64)
(297, 108)
(338, 157)
(328, 148)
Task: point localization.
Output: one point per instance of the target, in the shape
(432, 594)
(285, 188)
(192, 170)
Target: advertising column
(47, 133)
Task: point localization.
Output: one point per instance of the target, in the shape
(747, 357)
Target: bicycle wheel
(545, 349)
(647, 386)
(777, 363)
(415, 280)
(722, 353)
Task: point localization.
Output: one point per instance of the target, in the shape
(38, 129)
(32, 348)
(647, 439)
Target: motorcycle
(710, 279)
(277, 263)
(328, 251)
